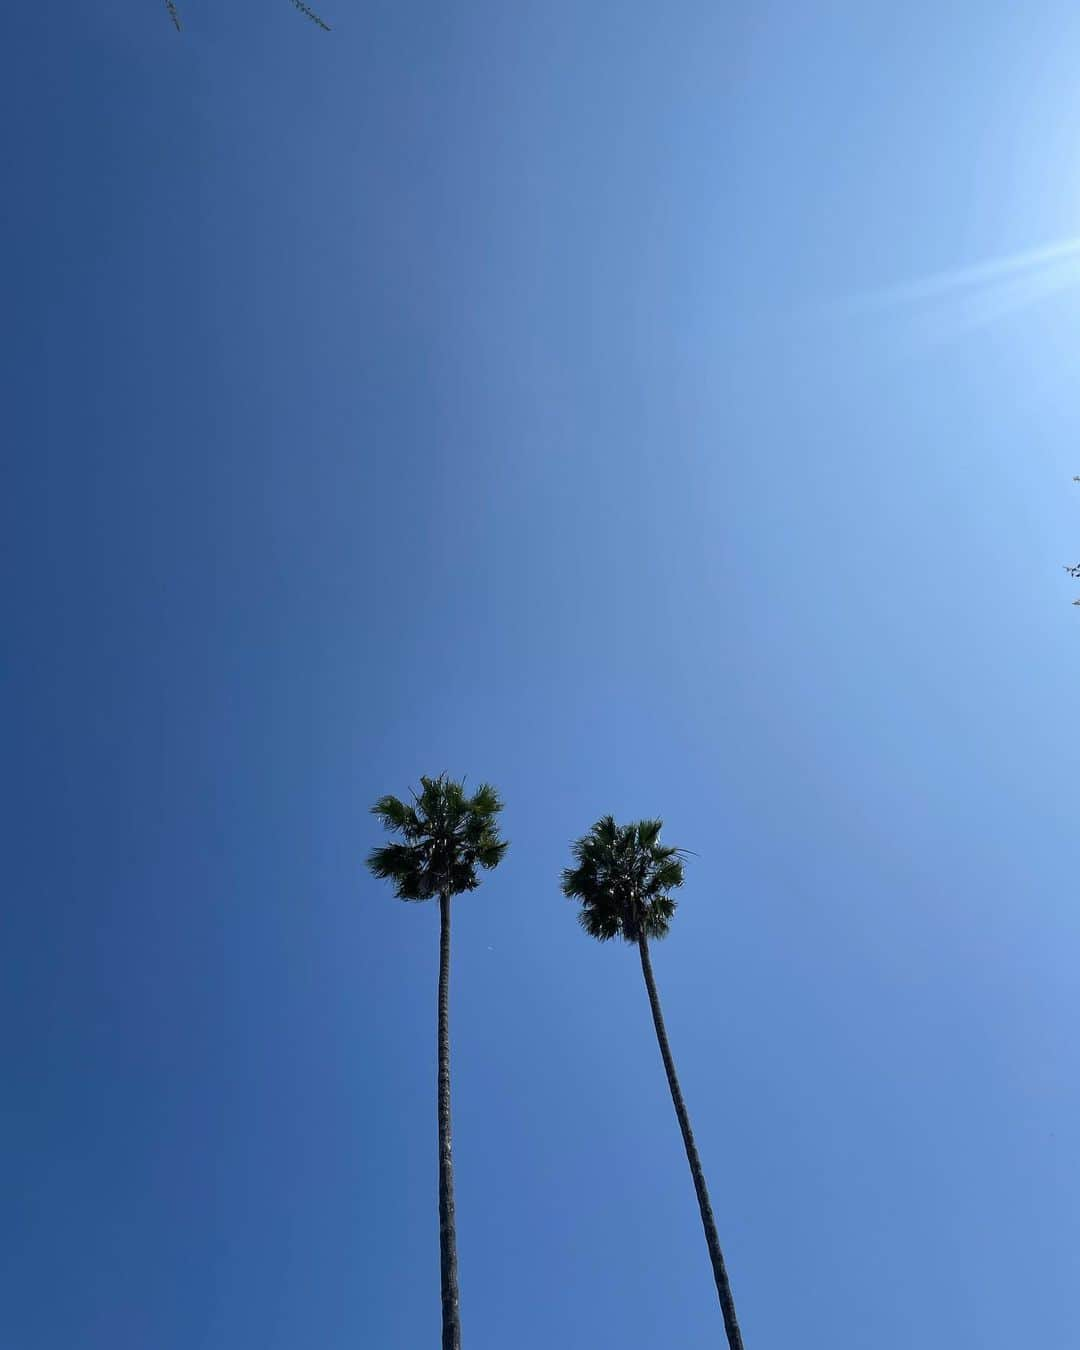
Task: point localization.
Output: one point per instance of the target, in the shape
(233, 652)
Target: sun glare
(970, 297)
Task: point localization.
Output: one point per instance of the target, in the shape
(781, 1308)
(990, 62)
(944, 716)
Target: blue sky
(490, 388)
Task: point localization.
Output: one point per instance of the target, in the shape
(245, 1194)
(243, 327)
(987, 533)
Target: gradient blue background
(476, 388)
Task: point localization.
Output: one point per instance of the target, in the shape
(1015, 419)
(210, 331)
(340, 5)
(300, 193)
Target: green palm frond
(623, 876)
(173, 14)
(648, 833)
(486, 801)
(399, 863)
(445, 835)
(490, 853)
(397, 815)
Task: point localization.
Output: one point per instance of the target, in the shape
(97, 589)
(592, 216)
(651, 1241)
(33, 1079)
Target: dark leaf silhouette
(306, 10)
(311, 15)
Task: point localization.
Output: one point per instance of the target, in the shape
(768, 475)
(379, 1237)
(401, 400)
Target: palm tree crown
(446, 835)
(623, 877)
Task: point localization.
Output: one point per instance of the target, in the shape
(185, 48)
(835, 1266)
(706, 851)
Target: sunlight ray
(1034, 261)
(977, 308)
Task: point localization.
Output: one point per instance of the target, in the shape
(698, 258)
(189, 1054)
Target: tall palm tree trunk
(451, 1320)
(723, 1286)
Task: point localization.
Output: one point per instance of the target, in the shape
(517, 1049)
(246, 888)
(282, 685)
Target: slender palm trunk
(451, 1321)
(723, 1287)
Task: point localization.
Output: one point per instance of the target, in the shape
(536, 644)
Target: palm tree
(623, 877)
(445, 836)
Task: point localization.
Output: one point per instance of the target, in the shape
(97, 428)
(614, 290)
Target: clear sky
(493, 388)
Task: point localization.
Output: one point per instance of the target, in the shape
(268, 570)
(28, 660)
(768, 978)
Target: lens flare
(947, 304)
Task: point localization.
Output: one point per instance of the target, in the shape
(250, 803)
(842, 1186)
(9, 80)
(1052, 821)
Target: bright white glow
(1063, 256)
(946, 305)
